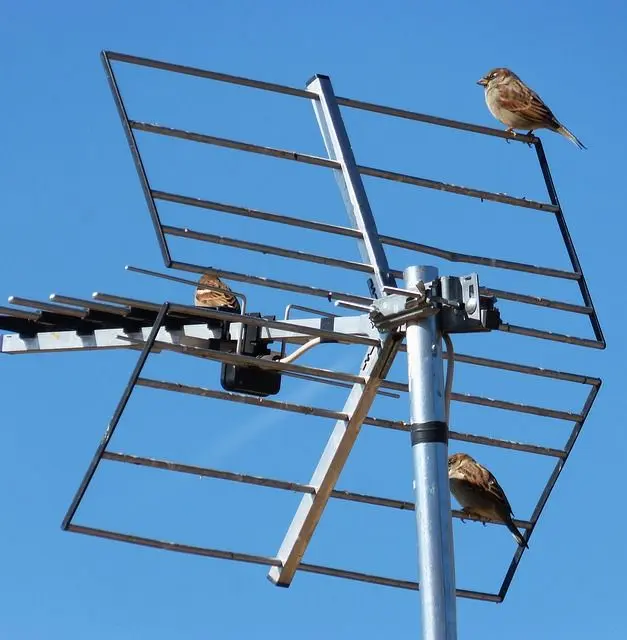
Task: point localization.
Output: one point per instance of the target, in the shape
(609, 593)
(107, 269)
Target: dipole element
(429, 438)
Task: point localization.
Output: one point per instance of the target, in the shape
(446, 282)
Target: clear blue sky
(74, 215)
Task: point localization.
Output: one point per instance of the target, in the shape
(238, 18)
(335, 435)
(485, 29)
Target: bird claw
(530, 133)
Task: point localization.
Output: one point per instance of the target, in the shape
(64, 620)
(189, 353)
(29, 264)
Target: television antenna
(406, 310)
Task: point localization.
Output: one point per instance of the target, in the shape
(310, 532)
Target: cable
(299, 352)
(450, 369)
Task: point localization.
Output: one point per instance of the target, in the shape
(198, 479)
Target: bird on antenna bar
(212, 292)
(517, 106)
(479, 493)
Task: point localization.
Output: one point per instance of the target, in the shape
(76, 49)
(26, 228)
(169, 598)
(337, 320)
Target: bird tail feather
(571, 136)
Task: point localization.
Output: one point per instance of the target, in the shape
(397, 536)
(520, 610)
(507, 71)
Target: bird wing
(493, 487)
(516, 97)
(205, 297)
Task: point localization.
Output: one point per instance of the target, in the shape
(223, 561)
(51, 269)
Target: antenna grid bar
(315, 372)
(274, 250)
(274, 483)
(267, 561)
(349, 232)
(373, 172)
(309, 95)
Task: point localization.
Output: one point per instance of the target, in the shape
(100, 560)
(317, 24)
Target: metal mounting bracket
(462, 309)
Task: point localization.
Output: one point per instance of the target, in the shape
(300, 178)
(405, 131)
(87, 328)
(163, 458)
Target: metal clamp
(455, 299)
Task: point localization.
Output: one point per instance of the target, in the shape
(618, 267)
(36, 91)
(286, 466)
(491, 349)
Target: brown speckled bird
(478, 492)
(517, 106)
(217, 297)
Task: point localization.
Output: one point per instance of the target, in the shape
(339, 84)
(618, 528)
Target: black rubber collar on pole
(434, 431)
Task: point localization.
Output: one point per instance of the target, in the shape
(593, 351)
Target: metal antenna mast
(412, 317)
(429, 440)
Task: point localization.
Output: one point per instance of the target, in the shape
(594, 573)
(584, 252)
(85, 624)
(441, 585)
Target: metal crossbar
(349, 232)
(273, 483)
(358, 266)
(318, 161)
(267, 561)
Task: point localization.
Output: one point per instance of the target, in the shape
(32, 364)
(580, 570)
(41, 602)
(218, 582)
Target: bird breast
(508, 118)
(472, 498)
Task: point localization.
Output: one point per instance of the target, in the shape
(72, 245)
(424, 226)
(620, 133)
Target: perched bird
(212, 292)
(478, 492)
(517, 106)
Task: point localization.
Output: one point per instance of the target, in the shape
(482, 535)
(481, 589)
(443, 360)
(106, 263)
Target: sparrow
(212, 292)
(517, 106)
(479, 494)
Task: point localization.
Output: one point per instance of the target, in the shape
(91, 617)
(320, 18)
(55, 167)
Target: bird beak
(482, 82)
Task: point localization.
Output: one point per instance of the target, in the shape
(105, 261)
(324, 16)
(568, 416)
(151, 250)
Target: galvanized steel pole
(429, 438)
